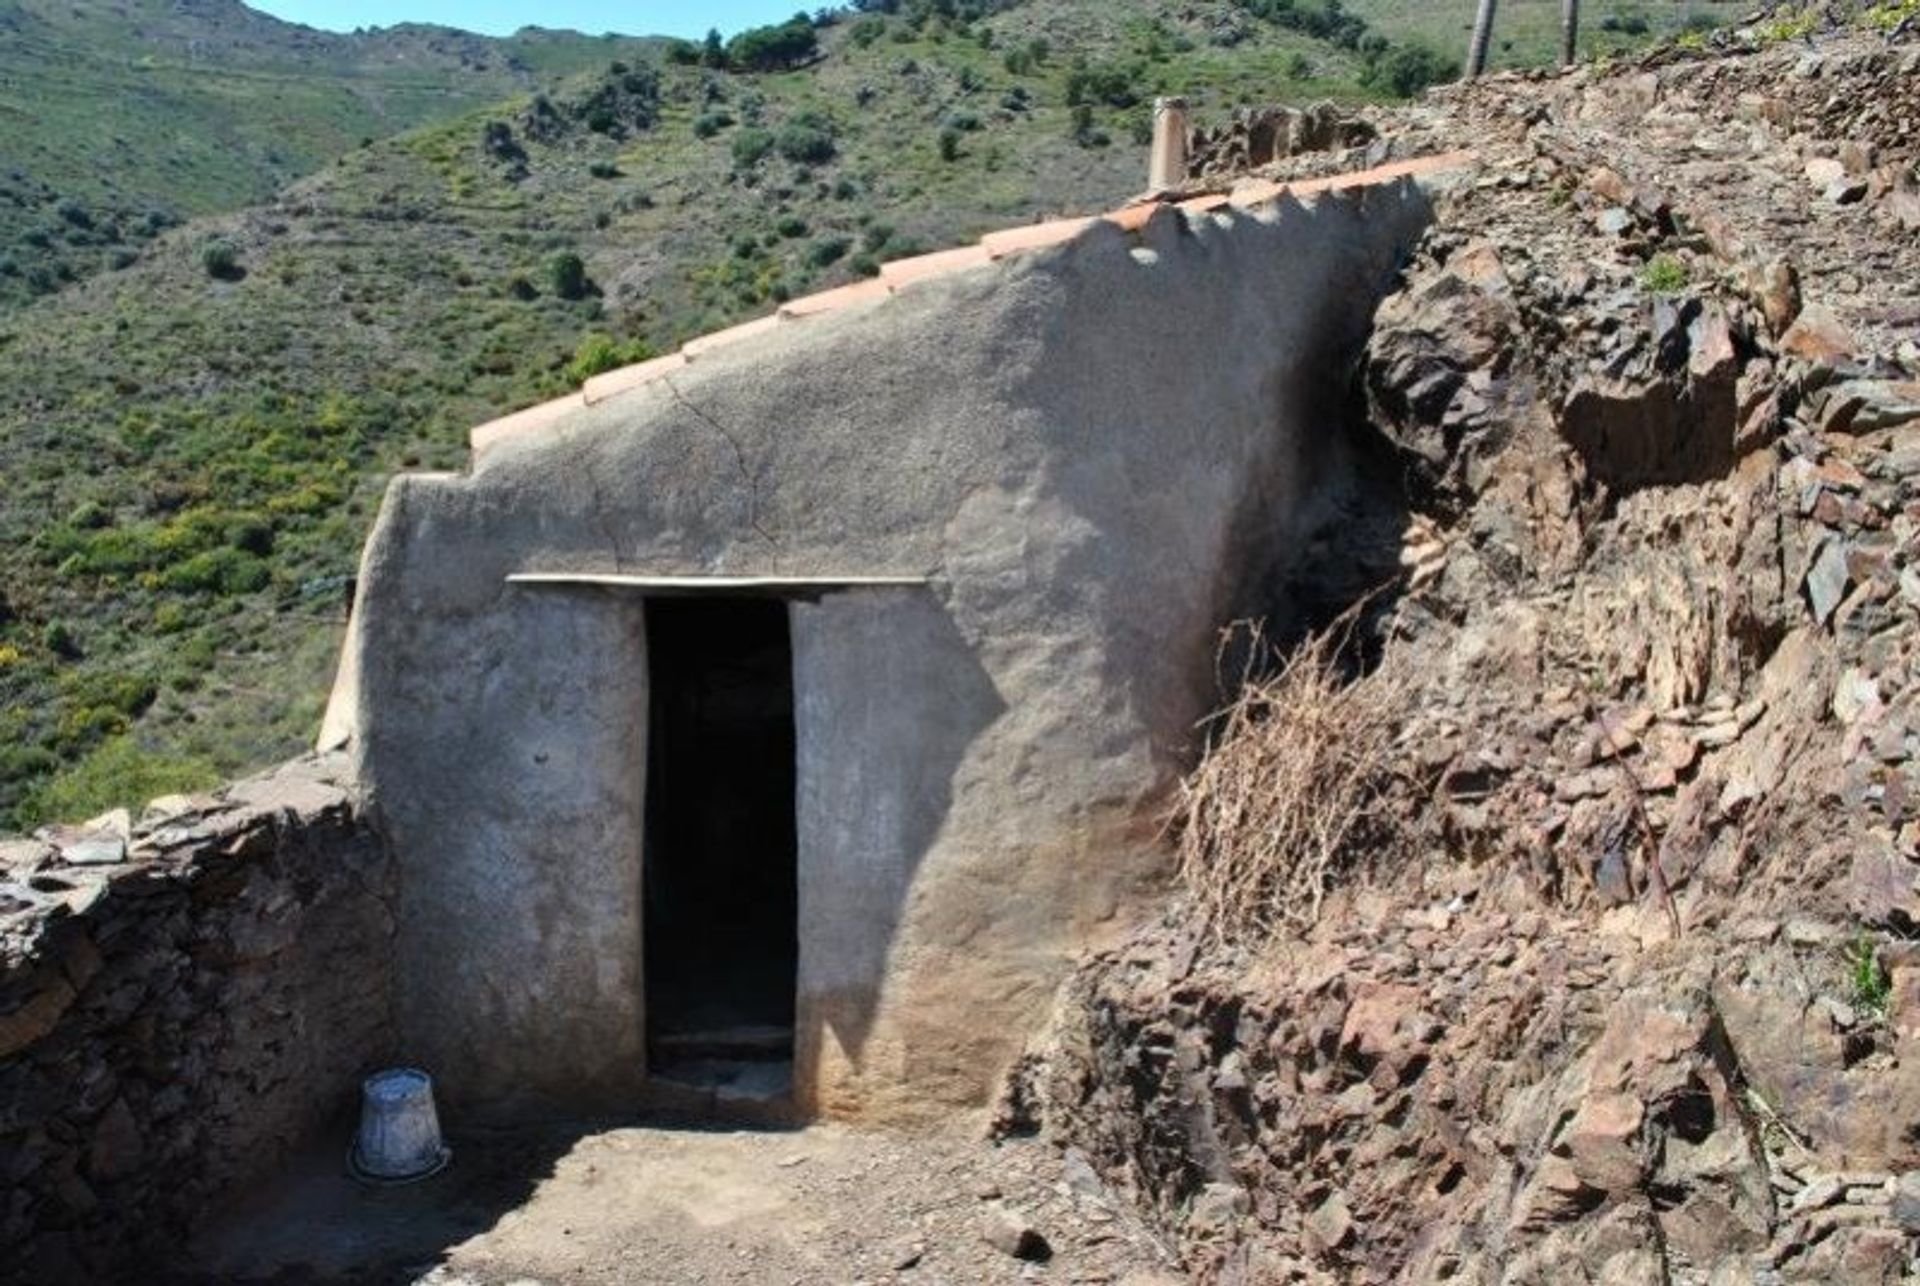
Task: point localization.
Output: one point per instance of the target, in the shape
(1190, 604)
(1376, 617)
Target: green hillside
(194, 445)
(120, 118)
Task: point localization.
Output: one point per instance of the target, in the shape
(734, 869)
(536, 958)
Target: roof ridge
(903, 274)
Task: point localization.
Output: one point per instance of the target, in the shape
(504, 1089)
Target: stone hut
(768, 726)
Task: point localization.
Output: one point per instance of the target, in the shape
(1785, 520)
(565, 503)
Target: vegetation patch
(1292, 795)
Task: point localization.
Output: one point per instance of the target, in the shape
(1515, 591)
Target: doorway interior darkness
(721, 886)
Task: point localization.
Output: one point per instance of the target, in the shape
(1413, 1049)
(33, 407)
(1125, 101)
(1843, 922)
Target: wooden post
(1482, 35)
(1569, 31)
(1167, 167)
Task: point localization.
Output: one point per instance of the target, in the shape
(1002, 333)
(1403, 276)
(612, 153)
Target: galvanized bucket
(399, 1139)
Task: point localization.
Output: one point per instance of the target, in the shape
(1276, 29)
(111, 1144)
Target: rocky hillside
(1592, 958)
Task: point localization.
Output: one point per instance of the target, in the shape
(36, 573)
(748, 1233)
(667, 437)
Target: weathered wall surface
(1096, 455)
(178, 1013)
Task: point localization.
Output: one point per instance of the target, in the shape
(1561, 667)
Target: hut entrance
(721, 891)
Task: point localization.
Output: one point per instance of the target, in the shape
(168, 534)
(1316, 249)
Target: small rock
(1811, 933)
(1824, 170)
(1776, 288)
(1819, 1194)
(1847, 191)
(1331, 1224)
(1839, 1013)
(1614, 221)
(1818, 336)
(1906, 1201)
(1855, 693)
(1012, 1234)
(1827, 579)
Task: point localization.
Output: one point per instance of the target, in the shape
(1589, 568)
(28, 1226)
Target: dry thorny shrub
(1295, 791)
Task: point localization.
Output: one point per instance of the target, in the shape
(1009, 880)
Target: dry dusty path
(647, 1205)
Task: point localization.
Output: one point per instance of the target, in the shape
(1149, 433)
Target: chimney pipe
(1167, 167)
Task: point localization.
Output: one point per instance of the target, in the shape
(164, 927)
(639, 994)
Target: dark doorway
(721, 886)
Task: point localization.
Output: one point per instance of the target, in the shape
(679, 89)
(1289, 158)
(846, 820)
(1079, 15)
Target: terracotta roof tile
(1035, 236)
(904, 272)
(827, 301)
(613, 383)
(1134, 217)
(531, 420)
(698, 348)
(1258, 192)
(1202, 204)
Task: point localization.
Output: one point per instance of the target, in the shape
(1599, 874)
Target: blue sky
(502, 17)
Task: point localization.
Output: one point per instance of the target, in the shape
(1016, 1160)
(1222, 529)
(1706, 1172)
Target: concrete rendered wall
(1097, 455)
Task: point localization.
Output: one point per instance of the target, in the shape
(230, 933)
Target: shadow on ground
(314, 1224)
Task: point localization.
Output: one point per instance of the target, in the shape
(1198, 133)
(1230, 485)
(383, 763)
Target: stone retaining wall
(181, 1002)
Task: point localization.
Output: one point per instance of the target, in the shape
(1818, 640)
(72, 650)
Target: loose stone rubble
(1649, 1011)
(183, 998)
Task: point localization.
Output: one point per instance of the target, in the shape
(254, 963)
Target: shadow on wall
(890, 698)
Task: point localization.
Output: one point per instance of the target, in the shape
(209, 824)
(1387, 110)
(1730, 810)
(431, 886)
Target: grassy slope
(113, 112)
(1527, 32)
(191, 463)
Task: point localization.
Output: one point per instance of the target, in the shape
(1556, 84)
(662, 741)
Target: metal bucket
(399, 1139)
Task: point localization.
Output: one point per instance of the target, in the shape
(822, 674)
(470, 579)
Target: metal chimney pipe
(1167, 167)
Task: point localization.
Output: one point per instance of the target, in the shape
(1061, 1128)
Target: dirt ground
(644, 1205)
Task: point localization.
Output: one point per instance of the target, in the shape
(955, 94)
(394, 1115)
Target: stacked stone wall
(182, 1002)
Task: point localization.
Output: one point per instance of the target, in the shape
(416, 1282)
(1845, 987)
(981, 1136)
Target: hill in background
(195, 444)
(120, 118)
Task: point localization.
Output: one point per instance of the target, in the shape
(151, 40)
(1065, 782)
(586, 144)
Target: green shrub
(567, 274)
(807, 139)
(118, 773)
(828, 251)
(750, 147)
(792, 227)
(707, 124)
(221, 261)
(1872, 992)
(218, 571)
(90, 515)
(1664, 275)
(949, 144)
(604, 170)
(773, 48)
(599, 353)
(123, 694)
(58, 638)
(1405, 70)
(1115, 84)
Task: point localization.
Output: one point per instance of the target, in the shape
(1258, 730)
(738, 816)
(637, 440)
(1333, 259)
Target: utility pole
(1482, 35)
(1569, 31)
